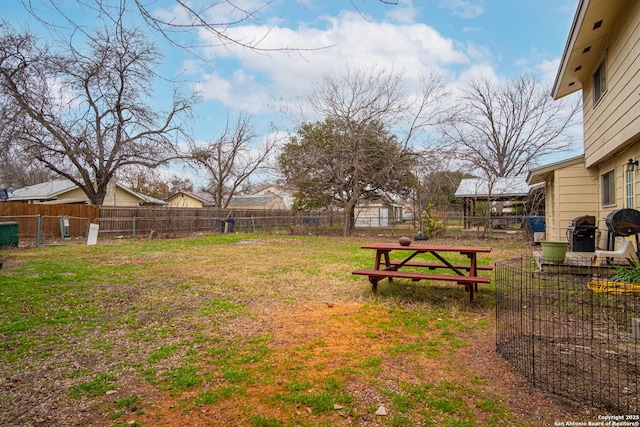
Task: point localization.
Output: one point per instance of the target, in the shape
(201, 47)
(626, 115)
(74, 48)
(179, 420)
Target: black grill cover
(585, 222)
(624, 222)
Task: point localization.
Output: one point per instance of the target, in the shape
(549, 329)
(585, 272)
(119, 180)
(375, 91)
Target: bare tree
(362, 107)
(231, 159)
(144, 180)
(179, 24)
(177, 183)
(506, 128)
(17, 170)
(87, 113)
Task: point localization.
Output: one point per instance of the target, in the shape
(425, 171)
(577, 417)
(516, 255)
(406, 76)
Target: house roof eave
(538, 175)
(586, 44)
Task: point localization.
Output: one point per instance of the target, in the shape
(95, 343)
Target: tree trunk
(349, 217)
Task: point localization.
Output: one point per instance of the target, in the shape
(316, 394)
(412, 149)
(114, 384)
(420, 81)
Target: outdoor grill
(623, 222)
(581, 234)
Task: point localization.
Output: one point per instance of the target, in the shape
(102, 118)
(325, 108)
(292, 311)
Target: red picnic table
(465, 274)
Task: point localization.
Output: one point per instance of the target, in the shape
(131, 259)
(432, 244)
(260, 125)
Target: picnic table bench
(465, 274)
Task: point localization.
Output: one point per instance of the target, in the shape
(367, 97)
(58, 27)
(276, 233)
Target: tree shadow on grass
(438, 295)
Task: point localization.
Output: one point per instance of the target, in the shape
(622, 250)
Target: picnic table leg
(374, 283)
(387, 264)
(473, 271)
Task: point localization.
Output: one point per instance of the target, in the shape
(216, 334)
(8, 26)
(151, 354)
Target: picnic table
(465, 273)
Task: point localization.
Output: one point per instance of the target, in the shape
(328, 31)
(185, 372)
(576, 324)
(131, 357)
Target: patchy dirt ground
(340, 329)
(307, 336)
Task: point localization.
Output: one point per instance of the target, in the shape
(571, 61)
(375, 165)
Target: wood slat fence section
(143, 220)
(43, 221)
(40, 223)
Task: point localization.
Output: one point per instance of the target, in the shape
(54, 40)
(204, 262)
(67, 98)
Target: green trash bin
(9, 233)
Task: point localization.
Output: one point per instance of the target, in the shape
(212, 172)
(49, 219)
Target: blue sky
(456, 38)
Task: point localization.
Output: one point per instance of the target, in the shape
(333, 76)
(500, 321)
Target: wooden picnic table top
(465, 274)
(421, 247)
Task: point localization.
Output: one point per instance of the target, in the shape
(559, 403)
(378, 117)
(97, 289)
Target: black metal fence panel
(571, 332)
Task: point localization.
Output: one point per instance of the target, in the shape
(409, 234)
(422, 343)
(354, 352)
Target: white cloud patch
(347, 40)
(548, 70)
(405, 12)
(467, 9)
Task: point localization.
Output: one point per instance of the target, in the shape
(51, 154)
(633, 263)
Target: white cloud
(405, 12)
(220, 12)
(548, 70)
(414, 48)
(463, 8)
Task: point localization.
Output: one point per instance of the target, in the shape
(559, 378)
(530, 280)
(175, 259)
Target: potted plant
(554, 252)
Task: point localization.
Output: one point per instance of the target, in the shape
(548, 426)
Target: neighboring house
(187, 199)
(272, 197)
(275, 191)
(63, 191)
(256, 203)
(601, 59)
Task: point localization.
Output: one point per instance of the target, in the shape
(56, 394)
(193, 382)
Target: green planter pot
(554, 252)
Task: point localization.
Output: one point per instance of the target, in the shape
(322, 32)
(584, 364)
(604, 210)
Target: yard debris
(382, 411)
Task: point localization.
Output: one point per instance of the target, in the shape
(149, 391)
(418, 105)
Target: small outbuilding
(501, 193)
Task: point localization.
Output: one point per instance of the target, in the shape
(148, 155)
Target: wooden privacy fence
(137, 221)
(41, 223)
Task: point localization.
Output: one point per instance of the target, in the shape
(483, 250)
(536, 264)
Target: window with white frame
(609, 188)
(628, 189)
(599, 82)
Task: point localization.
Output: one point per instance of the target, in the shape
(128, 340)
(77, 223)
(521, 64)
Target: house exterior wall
(276, 203)
(612, 123)
(572, 192)
(605, 36)
(611, 130)
(183, 201)
(114, 197)
(118, 197)
(285, 196)
(618, 164)
(75, 194)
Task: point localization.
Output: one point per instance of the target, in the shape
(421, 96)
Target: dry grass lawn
(250, 330)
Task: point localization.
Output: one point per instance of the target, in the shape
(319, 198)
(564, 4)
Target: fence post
(39, 231)
(133, 225)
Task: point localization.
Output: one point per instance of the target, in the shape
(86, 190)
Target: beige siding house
(601, 59)
(63, 191)
(252, 202)
(271, 197)
(187, 199)
(571, 191)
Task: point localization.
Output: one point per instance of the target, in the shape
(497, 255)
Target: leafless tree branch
(86, 115)
(231, 159)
